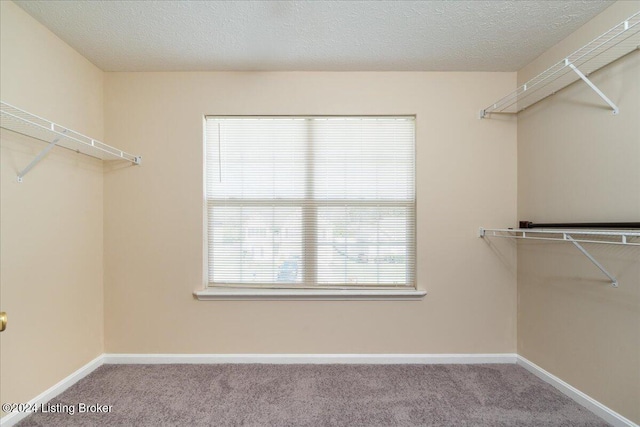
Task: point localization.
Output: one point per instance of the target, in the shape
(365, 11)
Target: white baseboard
(293, 359)
(588, 402)
(13, 418)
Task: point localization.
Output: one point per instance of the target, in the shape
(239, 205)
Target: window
(310, 202)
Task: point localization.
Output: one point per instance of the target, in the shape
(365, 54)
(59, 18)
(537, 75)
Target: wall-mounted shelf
(25, 123)
(614, 44)
(575, 236)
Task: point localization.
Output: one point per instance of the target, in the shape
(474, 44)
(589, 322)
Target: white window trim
(239, 292)
(220, 293)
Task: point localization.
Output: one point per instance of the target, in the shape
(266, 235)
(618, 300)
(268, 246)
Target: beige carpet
(315, 395)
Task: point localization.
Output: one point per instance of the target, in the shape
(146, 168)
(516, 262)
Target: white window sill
(211, 294)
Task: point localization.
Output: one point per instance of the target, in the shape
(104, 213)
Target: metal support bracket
(613, 106)
(614, 281)
(39, 157)
(522, 234)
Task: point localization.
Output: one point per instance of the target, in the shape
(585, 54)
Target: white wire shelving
(574, 236)
(25, 123)
(610, 46)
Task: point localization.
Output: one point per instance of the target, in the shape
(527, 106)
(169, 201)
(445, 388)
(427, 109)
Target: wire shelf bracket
(603, 50)
(584, 78)
(25, 123)
(576, 237)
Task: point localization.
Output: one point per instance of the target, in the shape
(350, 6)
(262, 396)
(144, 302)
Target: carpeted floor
(315, 395)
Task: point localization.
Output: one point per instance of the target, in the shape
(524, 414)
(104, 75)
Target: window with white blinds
(308, 202)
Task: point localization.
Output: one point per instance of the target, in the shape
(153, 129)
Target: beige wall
(51, 225)
(466, 178)
(578, 162)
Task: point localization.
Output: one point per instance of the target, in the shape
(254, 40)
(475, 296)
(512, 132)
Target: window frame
(241, 291)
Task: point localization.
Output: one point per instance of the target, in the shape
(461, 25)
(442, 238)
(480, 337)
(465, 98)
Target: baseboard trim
(13, 418)
(370, 359)
(607, 414)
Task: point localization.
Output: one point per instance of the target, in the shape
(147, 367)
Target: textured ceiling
(312, 35)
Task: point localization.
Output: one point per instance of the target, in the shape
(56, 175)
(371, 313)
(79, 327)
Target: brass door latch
(3, 321)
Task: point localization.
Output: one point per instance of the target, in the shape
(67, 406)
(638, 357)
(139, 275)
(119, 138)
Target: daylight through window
(310, 201)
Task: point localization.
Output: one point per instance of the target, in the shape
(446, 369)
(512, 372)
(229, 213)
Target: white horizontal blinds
(255, 244)
(311, 201)
(254, 167)
(364, 158)
(256, 158)
(365, 245)
(364, 190)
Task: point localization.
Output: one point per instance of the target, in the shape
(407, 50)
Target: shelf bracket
(39, 157)
(614, 281)
(613, 106)
(482, 232)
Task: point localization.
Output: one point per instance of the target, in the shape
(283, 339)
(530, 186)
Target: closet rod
(604, 225)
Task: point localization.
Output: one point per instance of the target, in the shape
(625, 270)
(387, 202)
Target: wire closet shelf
(574, 236)
(610, 46)
(22, 122)
(611, 237)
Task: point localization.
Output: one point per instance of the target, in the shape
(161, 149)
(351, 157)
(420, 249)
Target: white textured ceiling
(312, 35)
